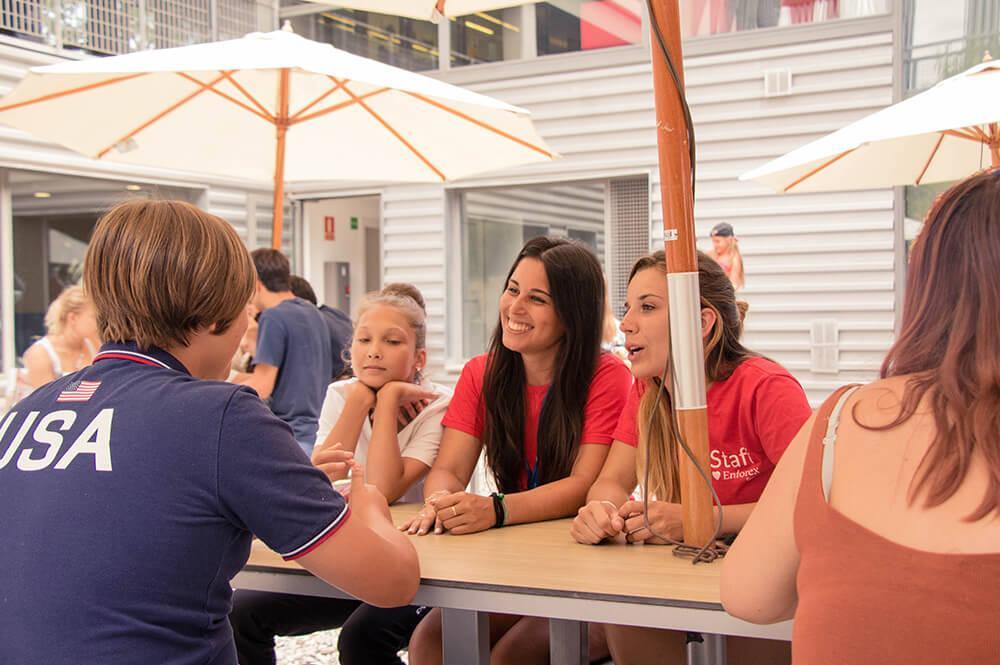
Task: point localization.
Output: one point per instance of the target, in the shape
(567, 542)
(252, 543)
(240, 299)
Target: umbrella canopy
(272, 105)
(945, 133)
(428, 10)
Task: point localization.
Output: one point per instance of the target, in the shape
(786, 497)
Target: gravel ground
(316, 649)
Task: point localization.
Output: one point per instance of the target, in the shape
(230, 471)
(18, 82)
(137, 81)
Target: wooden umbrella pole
(688, 370)
(281, 123)
(995, 145)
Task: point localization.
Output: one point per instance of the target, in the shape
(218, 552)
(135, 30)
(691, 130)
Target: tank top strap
(812, 487)
(46, 344)
(830, 440)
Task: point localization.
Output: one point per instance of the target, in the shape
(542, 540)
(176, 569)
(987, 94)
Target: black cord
(709, 551)
(679, 87)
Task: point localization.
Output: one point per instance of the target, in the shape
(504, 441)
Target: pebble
(316, 649)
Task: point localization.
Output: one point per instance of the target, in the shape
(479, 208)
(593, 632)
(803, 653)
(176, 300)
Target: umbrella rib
(71, 91)
(159, 116)
(337, 86)
(337, 107)
(228, 75)
(937, 145)
(211, 88)
(392, 130)
(820, 168)
(480, 123)
(964, 134)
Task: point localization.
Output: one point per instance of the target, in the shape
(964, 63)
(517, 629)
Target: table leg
(715, 649)
(465, 637)
(568, 642)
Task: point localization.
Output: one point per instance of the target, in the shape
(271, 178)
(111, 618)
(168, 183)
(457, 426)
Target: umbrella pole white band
(688, 371)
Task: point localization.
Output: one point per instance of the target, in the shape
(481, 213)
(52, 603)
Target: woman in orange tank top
(891, 553)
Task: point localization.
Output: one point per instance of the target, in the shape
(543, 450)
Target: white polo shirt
(419, 440)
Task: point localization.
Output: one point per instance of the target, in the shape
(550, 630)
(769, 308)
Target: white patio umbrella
(272, 105)
(945, 133)
(427, 10)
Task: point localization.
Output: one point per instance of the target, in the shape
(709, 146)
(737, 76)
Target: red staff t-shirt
(609, 389)
(752, 417)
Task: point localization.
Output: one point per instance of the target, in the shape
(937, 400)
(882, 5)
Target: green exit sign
(354, 223)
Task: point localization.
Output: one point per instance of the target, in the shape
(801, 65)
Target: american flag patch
(79, 392)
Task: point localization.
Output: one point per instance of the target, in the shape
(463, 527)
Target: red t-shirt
(752, 417)
(608, 392)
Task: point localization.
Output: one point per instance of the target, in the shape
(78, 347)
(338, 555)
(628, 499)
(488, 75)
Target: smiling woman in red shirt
(755, 408)
(543, 402)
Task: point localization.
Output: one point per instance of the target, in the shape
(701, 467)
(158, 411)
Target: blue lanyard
(532, 474)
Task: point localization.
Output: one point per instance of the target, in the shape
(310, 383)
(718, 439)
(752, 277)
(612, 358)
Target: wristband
(499, 509)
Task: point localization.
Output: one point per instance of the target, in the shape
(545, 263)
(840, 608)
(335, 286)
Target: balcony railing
(926, 64)
(121, 26)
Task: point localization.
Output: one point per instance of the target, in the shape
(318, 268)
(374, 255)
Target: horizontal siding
(413, 250)
(808, 256)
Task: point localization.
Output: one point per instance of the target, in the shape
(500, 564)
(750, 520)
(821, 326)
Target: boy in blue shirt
(293, 363)
(130, 490)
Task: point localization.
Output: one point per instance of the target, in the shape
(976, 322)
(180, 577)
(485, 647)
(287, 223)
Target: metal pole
(688, 370)
(7, 349)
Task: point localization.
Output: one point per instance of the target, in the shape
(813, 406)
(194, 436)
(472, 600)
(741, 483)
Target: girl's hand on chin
(409, 398)
(362, 393)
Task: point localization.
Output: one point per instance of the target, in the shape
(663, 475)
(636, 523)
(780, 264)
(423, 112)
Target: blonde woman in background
(70, 342)
(726, 252)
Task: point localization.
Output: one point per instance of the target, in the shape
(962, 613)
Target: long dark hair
(576, 285)
(723, 354)
(949, 342)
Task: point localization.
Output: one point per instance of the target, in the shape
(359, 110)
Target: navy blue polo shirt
(294, 337)
(128, 495)
(341, 331)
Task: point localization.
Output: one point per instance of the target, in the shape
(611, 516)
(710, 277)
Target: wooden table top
(544, 557)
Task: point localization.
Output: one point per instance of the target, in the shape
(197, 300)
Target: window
(400, 42)
(486, 37)
(581, 25)
(495, 224)
(712, 17)
(944, 39)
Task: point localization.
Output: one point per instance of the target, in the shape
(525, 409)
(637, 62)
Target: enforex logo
(734, 466)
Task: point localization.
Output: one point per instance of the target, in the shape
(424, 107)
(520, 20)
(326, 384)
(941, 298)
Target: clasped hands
(457, 512)
(598, 521)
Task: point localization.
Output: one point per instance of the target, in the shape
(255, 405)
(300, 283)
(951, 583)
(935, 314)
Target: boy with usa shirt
(129, 490)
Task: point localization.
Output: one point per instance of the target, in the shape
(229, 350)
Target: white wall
(808, 256)
(348, 244)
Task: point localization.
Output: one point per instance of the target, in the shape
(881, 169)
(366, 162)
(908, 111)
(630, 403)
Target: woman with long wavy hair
(879, 531)
(755, 407)
(543, 402)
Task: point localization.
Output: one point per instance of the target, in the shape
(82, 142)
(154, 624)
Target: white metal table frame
(466, 607)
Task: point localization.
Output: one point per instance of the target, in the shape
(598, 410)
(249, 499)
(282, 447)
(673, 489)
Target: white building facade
(824, 271)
